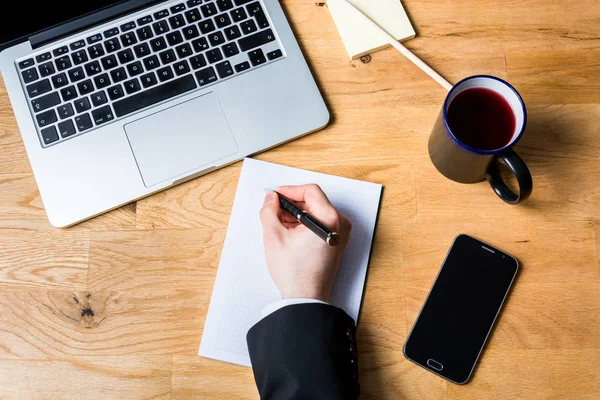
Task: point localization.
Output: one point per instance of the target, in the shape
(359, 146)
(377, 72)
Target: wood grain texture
(218, 380)
(87, 378)
(114, 307)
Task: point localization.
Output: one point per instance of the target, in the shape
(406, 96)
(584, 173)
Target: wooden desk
(114, 308)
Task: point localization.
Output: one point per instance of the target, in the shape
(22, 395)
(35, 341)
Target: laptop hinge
(87, 21)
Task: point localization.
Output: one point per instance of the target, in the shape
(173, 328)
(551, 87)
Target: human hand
(302, 264)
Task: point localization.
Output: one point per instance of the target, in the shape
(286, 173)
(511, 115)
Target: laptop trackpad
(180, 139)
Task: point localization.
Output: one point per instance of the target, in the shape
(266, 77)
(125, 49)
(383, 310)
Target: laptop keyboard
(100, 79)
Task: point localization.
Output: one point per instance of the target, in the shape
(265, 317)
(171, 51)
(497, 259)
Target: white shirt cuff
(271, 308)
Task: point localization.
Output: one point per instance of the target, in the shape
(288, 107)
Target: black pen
(331, 238)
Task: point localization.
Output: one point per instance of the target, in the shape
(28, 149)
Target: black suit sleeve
(305, 351)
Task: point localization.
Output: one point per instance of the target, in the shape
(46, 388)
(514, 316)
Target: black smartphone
(461, 309)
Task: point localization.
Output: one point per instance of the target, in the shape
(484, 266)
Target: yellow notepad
(360, 39)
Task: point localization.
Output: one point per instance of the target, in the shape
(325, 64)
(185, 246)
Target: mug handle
(519, 170)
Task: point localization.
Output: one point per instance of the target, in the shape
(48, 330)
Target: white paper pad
(243, 285)
(359, 38)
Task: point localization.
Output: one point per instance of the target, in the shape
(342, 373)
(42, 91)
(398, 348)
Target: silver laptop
(116, 100)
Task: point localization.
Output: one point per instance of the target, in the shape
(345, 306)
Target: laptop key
(177, 8)
(65, 111)
(207, 26)
(112, 45)
(26, 63)
(274, 54)
(192, 3)
(248, 26)
(161, 14)
(45, 102)
(164, 74)
(83, 122)
(151, 63)
(223, 20)
(94, 38)
(141, 50)
(198, 61)
(214, 55)
(49, 135)
(46, 118)
(60, 51)
(77, 45)
(63, 63)
(174, 38)
(99, 98)
(158, 44)
(125, 56)
(128, 39)
(43, 57)
(208, 10)
(256, 40)
(257, 57)
(241, 2)
(242, 66)
(39, 88)
(127, 26)
(225, 5)
(132, 86)
(239, 14)
(154, 95)
(93, 68)
(259, 15)
(118, 75)
(160, 27)
(109, 62)
(193, 16)
(206, 76)
(102, 115)
(200, 45)
(79, 57)
(60, 80)
(96, 51)
(148, 80)
(115, 92)
(224, 69)
(184, 51)
(216, 38)
(144, 20)
(167, 56)
(46, 69)
(230, 49)
(177, 21)
(102, 81)
(66, 128)
(144, 33)
(82, 105)
(190, 32)
(181, 67)
(135, 69)
(76, 74)
(68, 93)
(111, 32)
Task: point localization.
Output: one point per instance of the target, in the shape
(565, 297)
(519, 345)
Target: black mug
(475, 130)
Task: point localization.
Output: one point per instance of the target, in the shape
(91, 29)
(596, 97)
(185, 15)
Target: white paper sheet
(243, 285)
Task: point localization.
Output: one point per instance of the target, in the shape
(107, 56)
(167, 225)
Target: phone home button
(434, 364)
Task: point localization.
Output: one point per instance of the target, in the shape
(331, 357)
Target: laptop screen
(23, 18)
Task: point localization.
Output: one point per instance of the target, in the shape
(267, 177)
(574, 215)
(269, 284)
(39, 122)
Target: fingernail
(271, 195)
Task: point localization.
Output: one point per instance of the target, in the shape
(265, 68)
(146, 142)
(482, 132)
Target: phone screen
(461, 308)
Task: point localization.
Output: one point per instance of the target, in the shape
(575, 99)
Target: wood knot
(87, 312)
(366, 59)
(85, 309)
